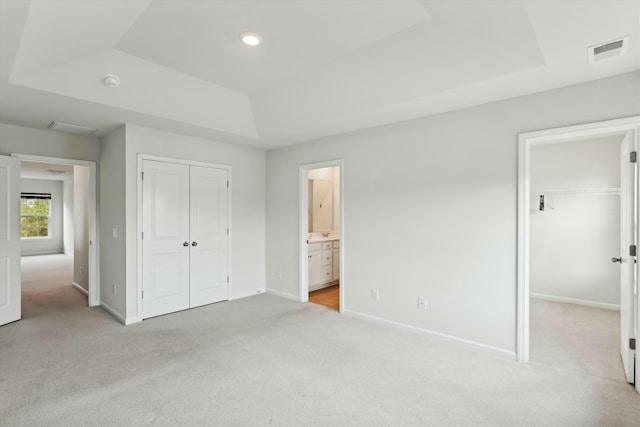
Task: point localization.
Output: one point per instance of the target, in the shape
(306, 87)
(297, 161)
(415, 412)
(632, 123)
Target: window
(35, 210)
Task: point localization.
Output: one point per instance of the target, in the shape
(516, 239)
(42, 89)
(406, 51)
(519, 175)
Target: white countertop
(322, 239)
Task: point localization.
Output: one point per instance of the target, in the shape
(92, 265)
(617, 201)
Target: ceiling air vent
(609, 50)
(67, 128)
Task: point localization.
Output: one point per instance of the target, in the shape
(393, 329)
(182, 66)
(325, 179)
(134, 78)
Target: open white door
(10, 277)
(628, 279)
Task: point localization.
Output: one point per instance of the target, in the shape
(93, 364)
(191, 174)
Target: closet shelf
(589, 191)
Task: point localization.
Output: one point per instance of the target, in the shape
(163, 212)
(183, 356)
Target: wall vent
(67, 128)
(609, 50)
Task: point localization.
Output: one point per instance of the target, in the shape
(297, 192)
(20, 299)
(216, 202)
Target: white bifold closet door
(185, 237)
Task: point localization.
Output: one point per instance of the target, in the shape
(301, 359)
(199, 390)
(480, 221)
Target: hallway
(47, 286)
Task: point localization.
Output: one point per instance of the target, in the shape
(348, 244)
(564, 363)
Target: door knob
(194, 243)
(614, 259)
(185, 244)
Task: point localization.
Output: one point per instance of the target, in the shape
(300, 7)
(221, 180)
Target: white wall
(430, 209)
(81, 226)
(54, 243)
(247, 220)
(574, 238)
(19, 139)
(112, 215)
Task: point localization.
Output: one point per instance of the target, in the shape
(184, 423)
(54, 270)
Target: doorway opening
(578, 210)
(322, 234)
(58, 229)
(574, 232)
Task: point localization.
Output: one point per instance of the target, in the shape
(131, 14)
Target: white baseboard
(80, 288)
(42, 253)
(246, 294)
(132, 320)
(496, 350)
(596, 304)
(113, 312)
(283, 295)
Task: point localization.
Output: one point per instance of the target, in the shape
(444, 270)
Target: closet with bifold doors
(185, 236)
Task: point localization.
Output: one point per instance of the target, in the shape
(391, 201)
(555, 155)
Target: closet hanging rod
(589, 191)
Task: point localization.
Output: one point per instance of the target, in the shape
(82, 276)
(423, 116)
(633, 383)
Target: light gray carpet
(268, 361)
(583, 340)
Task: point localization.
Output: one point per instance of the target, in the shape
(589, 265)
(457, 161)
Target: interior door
(628, 279)
(10, 276)
(165, 240)
(209, 236)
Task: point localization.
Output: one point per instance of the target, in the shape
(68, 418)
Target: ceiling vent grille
(609, 50)
(67, 128)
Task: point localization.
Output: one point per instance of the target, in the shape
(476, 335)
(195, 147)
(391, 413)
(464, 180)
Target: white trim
(42, 253)
(304, 229)
(80, 288)
(497, 350)
(285, 295)
(525, 142)
(94, 234)
(113, 312)
(246, 294)
(587, 303)
(141, 157)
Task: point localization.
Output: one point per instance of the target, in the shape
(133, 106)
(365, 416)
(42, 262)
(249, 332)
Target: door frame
(304, 228)
(525, 142)
(139, 217)
(94, 235)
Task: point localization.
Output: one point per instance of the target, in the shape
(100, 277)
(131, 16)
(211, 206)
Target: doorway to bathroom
(322, 234)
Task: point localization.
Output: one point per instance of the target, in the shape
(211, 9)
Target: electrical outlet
(422, 303)
(114, 288)
(375, 294)
(280, 275)
(114, 233)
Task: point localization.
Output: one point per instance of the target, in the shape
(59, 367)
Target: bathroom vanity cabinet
(324, 264)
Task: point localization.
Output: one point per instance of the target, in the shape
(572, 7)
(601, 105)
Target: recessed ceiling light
(251, 39)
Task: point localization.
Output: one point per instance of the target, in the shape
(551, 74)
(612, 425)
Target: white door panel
(165, 259)
(209, 238)
(185, 244)
(10, 287)
(627, 264)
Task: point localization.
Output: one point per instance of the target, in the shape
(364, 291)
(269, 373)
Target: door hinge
(227, 231)
(227, 279)
(633, 157)
(632, 343)
(142, 175)
(142, 294)
(632, 250)
(142, 235)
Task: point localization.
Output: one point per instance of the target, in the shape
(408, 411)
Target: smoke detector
(111, 81)
(608, 50)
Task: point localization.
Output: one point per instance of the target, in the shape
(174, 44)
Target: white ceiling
(325, 67)
(38, 170)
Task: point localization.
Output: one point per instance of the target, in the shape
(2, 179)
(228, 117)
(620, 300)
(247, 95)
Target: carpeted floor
(264, 360)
